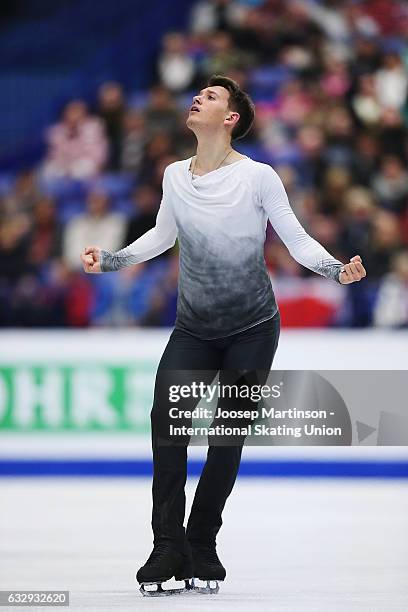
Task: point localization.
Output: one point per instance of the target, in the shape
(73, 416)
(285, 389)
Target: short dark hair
(239, 101)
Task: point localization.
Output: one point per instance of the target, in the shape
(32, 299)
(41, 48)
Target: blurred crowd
(330, 83)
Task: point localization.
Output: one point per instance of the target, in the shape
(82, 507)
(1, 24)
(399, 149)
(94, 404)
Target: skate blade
(212, 587)
(160, 592)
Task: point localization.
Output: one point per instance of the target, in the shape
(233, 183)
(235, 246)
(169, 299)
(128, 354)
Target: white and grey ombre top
(220, 220)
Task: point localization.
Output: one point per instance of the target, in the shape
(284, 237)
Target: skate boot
(206, 567)
(164, 562)
(185, 572)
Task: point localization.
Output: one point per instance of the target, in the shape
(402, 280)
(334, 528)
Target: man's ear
(232, 115)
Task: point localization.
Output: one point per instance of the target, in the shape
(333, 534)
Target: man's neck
(212, 152)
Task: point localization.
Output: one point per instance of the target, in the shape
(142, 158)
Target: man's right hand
(90, 258)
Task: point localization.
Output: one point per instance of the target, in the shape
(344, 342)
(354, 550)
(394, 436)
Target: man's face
(210, 108)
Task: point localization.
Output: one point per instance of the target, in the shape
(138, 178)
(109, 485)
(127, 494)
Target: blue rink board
(269, 469)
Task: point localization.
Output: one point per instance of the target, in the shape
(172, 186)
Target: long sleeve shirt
(220, 220)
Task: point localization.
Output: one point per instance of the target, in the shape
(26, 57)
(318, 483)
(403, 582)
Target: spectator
(391, 308)
(332, 19)
(175, 66)
(391, 82)
(365, 102)
(247, 35)
(14, 260)
(161, 114)
(160, 166)
(223, 56)
(326, 231)
(45, 235)
(385, 241)
(134, 140)
(357, 212)
(393, 135)
(111, 109)
(159, 145)
(335, 184)
(288, 176)
(312, 165)
(23, 195)
(147, 202)
(336, 80)
(97, 226)
(366, 158)
(294, 103)
(340, 137)
(27, 307)
(391, 184)
(214, 15)
(163, 301)
(366, 56)
(77, 146)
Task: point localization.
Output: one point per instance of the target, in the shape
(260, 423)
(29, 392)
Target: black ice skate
(164, 563)
(206, 567)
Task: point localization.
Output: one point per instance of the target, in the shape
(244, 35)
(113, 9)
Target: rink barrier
(248, 469)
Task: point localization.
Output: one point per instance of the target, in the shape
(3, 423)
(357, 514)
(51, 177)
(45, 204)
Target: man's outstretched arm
(305, 249)
(152, 243)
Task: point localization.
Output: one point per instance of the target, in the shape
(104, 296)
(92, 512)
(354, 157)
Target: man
(217, 203)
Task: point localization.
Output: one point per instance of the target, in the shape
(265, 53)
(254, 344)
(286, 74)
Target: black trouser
(244, 351)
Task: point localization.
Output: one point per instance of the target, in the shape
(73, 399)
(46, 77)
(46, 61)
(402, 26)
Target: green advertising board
(82, 397)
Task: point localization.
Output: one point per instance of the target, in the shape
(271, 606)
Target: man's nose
(197, 100)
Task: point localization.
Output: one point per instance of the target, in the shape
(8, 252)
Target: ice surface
(288, 545)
